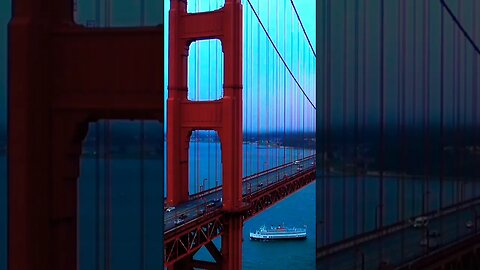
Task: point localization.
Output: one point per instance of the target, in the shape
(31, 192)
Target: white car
(170, 209)
(420, 222)
(178, 221)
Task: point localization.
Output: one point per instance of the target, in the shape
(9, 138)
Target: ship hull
(263, 237)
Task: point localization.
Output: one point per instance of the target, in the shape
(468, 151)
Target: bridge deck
(371, 248)
(251, 185)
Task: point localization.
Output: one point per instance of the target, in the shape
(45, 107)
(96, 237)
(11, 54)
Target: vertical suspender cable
(459, 123)
(398, 98)
(107, 185)
(108, 225)
(284, 86)
(303, 101)
(464, 135)
(97, 169)
(97, 195)
(457, 104)
(413, 127)
(267, 88)
(442, 96)
(453, 125)
(344, 116)
(258, 97)
(381, 109)
(197, 133)
(204, 183)
(291, 99)
(425, 127)
(327, 220)
(364, 104)
(277, 87)
(403, 111)
(401, 128)
(474, 95)
(382, 118)
(142, 167)
(355, 88)
(252, 81)
(142, 194)
(217, 89)
(246, 89)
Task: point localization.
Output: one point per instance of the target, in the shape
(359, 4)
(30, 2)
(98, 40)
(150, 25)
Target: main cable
(279, 55)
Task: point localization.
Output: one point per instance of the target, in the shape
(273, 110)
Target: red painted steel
(61, 77)
(223, 115)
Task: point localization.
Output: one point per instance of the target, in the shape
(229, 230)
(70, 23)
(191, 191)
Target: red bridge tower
(224, 115)
(61, 77)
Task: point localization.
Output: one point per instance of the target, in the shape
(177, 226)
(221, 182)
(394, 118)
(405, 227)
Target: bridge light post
(205, 184)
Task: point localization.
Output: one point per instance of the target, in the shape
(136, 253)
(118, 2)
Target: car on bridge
(170, 209)
(178, 221)
(212, 203)
(420, 222)
(183, 216)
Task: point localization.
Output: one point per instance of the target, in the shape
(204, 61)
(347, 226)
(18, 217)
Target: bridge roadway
(251, 185)
(400, 242)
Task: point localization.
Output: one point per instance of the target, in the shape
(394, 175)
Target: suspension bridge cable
(303, 28)
(457, 22)
(279, 55)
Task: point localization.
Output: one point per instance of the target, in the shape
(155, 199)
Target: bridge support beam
(224, 115)
(232, 243)
(61, 77)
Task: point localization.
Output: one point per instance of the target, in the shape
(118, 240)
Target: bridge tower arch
(61, 77)
(223, 115)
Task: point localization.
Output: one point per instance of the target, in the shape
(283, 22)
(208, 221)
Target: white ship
(278, 233)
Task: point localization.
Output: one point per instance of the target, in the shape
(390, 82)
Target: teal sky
(268, 90)
(5, 7)
(127, 13)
